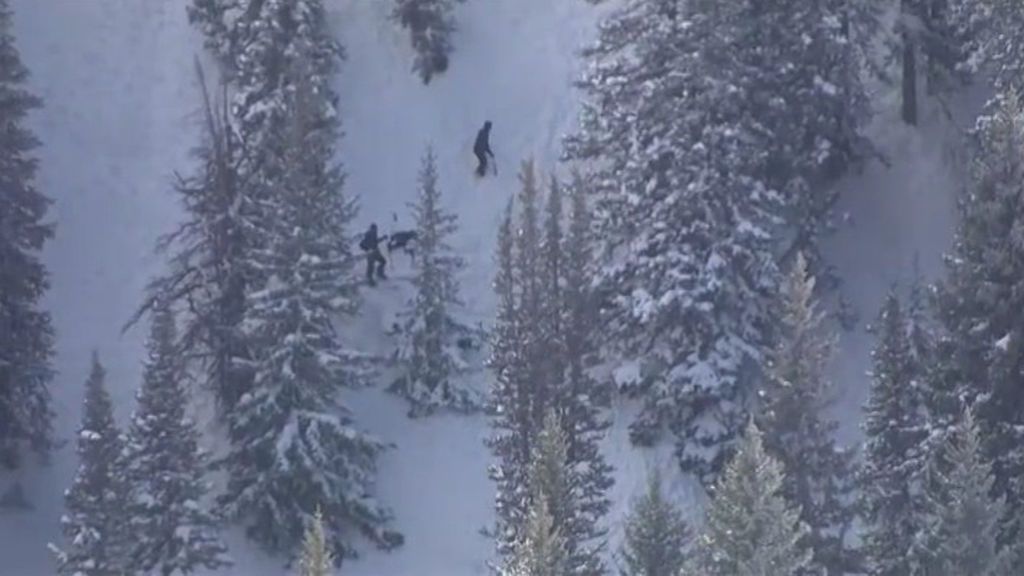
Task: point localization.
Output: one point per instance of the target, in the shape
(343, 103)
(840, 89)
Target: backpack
(366, 243)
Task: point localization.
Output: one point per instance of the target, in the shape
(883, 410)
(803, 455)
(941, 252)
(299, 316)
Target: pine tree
(512, 426)
(213, 18)
(258, 44)
(998, 48)
(552, 477)
(708, 123)
(920, 329)
(961, 518)
(522, 394)
(798, 431)
(293, 444)
(582, 400)
(656, 535)
(933, 40)
(317, 559)
(529, 268)
(551, 329)
(430, 26)
(685, 230)
(545, 368)
(206, 255)
(816, 136)
(432, 363)
(94, 522)
(751, 529)
(894, 449)
(542, 551)
(980, 306)
(549, 476)
(26, 333)
(172, 532)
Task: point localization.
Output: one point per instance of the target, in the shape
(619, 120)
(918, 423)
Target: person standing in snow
(371, 245)
(482, 148)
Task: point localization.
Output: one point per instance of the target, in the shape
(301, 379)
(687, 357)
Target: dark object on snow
(404, 241)
(430, 24)
(371, 245)
(847, 314)
(14, 499)
(482, 148)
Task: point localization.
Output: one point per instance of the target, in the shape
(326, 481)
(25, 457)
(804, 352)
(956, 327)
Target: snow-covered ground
(893, 216)
(117, 77)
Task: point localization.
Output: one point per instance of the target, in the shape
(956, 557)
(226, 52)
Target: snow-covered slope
(116, 79)
(118, 82)
(895, 215)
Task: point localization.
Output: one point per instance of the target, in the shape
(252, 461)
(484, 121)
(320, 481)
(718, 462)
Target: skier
(482, 148)
(371, 245)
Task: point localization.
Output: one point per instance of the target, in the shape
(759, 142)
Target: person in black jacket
(371, 245)
(482, 148)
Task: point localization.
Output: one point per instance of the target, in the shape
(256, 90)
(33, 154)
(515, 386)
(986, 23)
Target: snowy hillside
(893, 216)
(115, 76)
(118, 83)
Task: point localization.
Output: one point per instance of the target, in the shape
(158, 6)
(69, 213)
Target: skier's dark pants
(481, 157)
(375, 257)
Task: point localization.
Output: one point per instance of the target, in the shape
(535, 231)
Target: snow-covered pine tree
(961, 518)
(26, 334)
(542, 550)
(894, 448)
(920, 325)
(95, 519)
(529, 270)
(932, 40)
(998, 45)
(798, 431)
(293, 444)
(553, 477)
(542, 284)
(553, 270)
(751, 529)
(549, 476)
(808, 55)
(524, 387)
(431, 360)
(206, 257)
(215, 20)
(687, 231)
(581, 398)
(512, 427)
(317, 559)
(172, 530)
(981, 305)
(257, 44)
(430, 25)
(656, 535)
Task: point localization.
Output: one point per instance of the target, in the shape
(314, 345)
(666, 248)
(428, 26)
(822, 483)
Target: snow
(892, 216)
(627, 374)
(1003, 343)
(117, 78)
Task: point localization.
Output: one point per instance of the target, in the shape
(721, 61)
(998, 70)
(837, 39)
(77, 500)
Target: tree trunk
(938, 52)
(909, 80)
